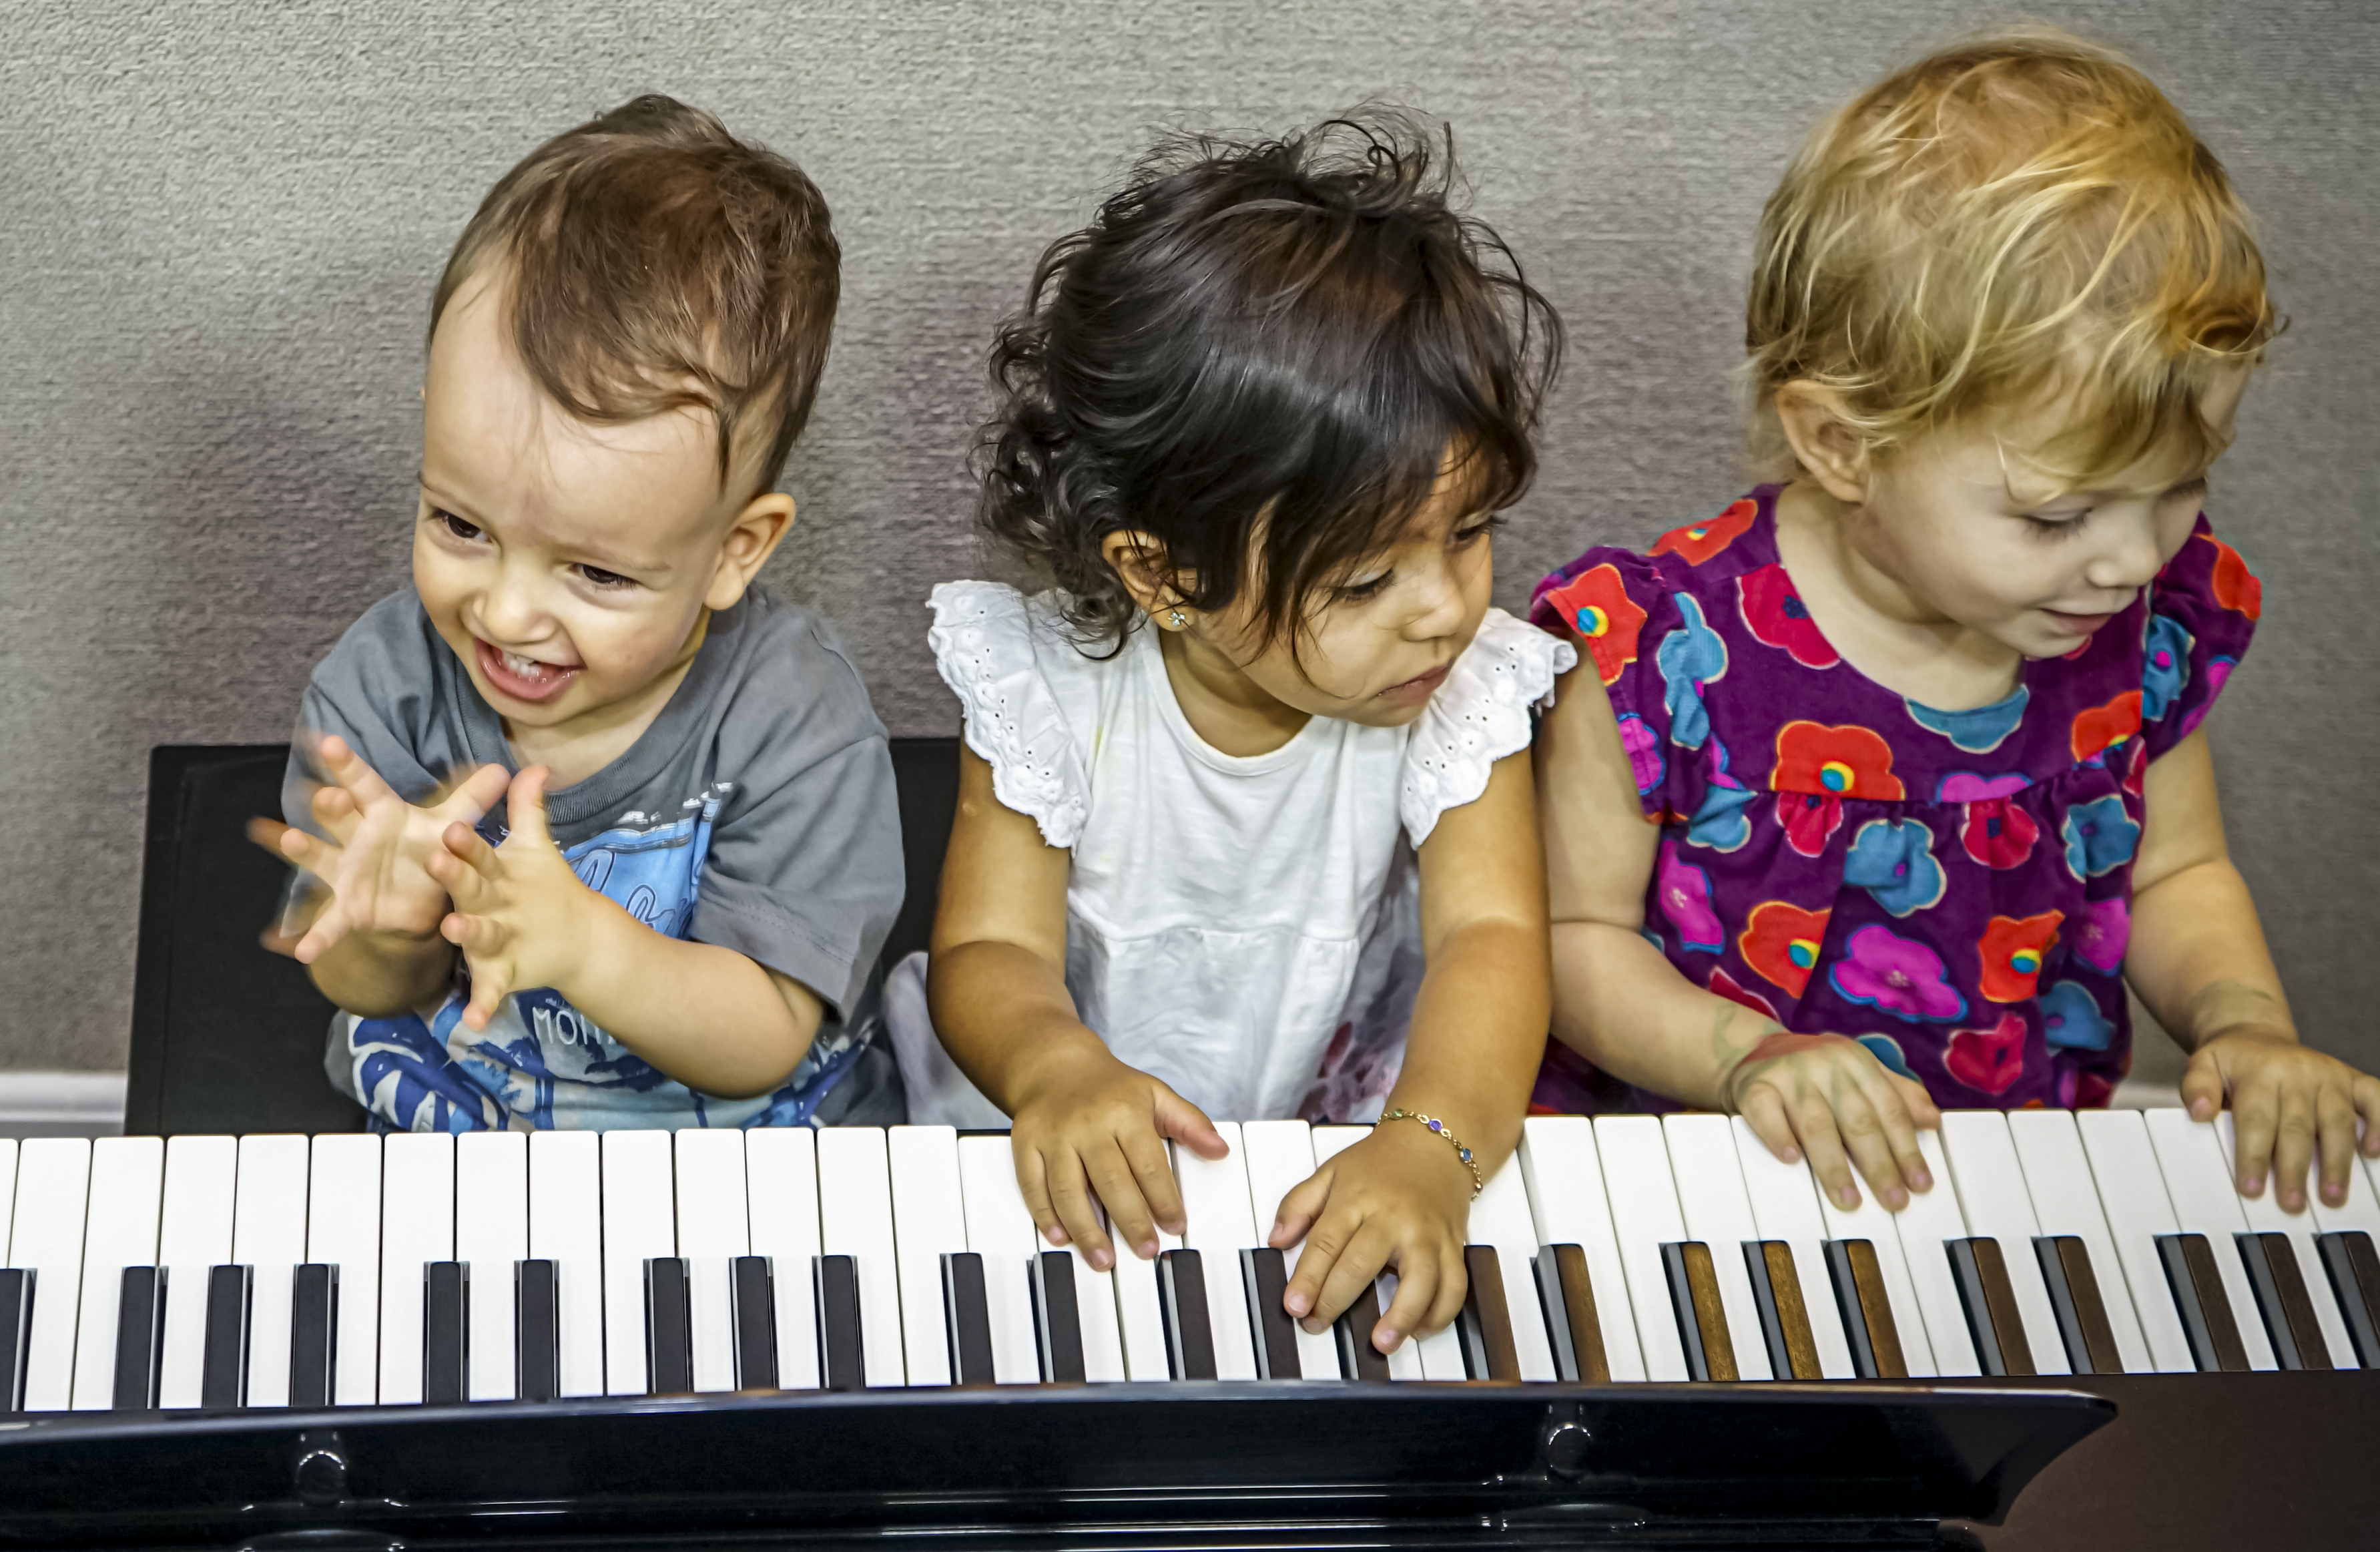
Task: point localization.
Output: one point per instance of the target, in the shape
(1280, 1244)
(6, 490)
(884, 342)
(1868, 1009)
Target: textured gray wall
(219, 226)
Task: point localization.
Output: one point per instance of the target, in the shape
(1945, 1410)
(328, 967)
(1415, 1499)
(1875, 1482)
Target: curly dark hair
(1268, 348)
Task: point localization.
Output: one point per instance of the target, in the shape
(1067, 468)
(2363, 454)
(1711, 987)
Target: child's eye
(2194, 492)
(1464, 538)
(1370, 587)
(456, 525)
(2062, 524)
(608, 580)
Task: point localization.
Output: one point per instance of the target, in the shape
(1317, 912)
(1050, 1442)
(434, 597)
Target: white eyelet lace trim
(983, 645)
(1477, 717)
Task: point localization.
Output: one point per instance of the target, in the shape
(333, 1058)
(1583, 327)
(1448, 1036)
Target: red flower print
(1780, 943)
(1809, 819)
(1723, 985)
(2012, 952)
(1841, 762)
(2234, 585)
(1597, 606)
(1999, 833)
(1699, 541)
(1773, 612)
(1990, 1059)
(2100, 728)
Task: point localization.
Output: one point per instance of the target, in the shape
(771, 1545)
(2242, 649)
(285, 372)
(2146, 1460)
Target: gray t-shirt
(756, 813)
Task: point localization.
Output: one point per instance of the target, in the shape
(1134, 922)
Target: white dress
(1246, 929)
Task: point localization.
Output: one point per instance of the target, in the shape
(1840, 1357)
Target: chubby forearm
(381, 975)
(1478, 1035)
(2198, 957)
(707, 1016)
(1620, 1005)
(1004, 1012)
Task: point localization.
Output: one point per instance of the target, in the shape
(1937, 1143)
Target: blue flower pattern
(1689, 658)
(2070, 1019)
(1977, 731)
(2165, 672)
(2100, 837)
(1893, 860)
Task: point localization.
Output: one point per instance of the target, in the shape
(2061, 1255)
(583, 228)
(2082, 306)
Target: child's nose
(2130, 558)
(509, 610)
(1438, 603)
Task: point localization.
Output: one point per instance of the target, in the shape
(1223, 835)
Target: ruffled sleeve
(2203, 610)
(1481, 714)
(987, 641)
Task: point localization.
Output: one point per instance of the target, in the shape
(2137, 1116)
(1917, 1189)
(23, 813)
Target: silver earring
(1175, 618)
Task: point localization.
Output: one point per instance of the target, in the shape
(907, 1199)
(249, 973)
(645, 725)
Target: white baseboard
(61, 1104)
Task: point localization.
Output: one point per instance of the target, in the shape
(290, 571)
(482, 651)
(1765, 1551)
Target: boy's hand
(376, 863)
(521, 916)
(1400, 1201)
(1089, 1124)
(2287, 1101)
(1827, 1096)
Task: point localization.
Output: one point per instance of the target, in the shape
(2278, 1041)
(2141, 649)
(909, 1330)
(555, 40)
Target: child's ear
(751, 540)
(1140, 561)
(1819, 428)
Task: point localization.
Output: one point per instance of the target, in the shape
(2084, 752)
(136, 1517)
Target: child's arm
(1620, 1002)
(2198, 959)
(1081, 1121)
(703, 1014)
(1401, 1198)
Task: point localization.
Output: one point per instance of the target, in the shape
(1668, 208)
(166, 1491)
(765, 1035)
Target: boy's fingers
(1188, 1125)
(335, 810)
(2336, 1116)
(2367, 1105)
(487, 988)
(524, 806)
(2254, 1117)
(348, 770)
(1299, 1210)
(1814, 1122)
(1899, 1133)
(1863, 1135)
(2294, 1140)
(480, 791)
(1764, 1113)
(2201, 1087)
(1070, 1196)
(1152, 1171)
(467, 845)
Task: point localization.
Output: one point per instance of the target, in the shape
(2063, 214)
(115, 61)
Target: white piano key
(1645, 1215)
(7, 1191)
(52, 1188)
(1001, 1230)
(193, 1237)
(492, 1239)
(1927, 1226)
(1995, 1205)
(929, 1221)
(1219, 1225)
(1330, 1142)
(2132, 1194)
(1784, 1199)
(713, 1229)
(855, 1219)
(1281, 1158)
(343, 1230)
(119, 1230)
(780, 1180)
(2265, 1215)
(2056, 1174)
(1101, 1321)
(269, 1236)
(2198, 1181)
(640, 1223)
(1709, 1184)
(1873, 1223)
(1566, 1203)
(1501, 1218)
(417, 1228)
(565, 1226)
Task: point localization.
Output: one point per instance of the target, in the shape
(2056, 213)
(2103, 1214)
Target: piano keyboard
(345, 1270)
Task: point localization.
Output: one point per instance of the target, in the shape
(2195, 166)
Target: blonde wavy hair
(2022, 220)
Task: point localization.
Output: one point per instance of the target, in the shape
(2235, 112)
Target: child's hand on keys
(1397, 1201)
(522, 917)
(1086, 1124)
(376, 863)
(1828, 1096)
(2287, 1102)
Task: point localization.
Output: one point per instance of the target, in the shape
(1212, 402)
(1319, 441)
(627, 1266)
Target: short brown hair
(657, 263)
(2019, 217)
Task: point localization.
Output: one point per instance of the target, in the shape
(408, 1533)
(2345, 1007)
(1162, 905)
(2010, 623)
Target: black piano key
(139, 1338)
(1265, 1273)
(1784, 1319)
(669, 1328)
(445, 1322)
(536, 1331)
(1182, 1300)
(1993, 1319)
(966, 1317)
(2353, 1268)
(752, 1314)
(313, 1333)
(1566, 1297)
(2198, 1297)
(2074, 1299)
(1702, 1320)
(1359, 1359)
(840, 1358)
(2281, 1298)
(1486, 1319)
(223, 1369)
(1867, 1310)
(16, 1334)
(1057, 1318)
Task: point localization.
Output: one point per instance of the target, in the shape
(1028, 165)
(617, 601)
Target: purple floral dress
(1951, 888)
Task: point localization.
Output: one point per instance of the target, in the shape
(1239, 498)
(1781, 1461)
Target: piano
(1671, 1339)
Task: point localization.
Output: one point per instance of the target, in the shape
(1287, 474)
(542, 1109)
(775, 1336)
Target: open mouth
(523, 678)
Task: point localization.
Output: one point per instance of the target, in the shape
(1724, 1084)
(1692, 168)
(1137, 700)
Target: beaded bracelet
(1478, 1183)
